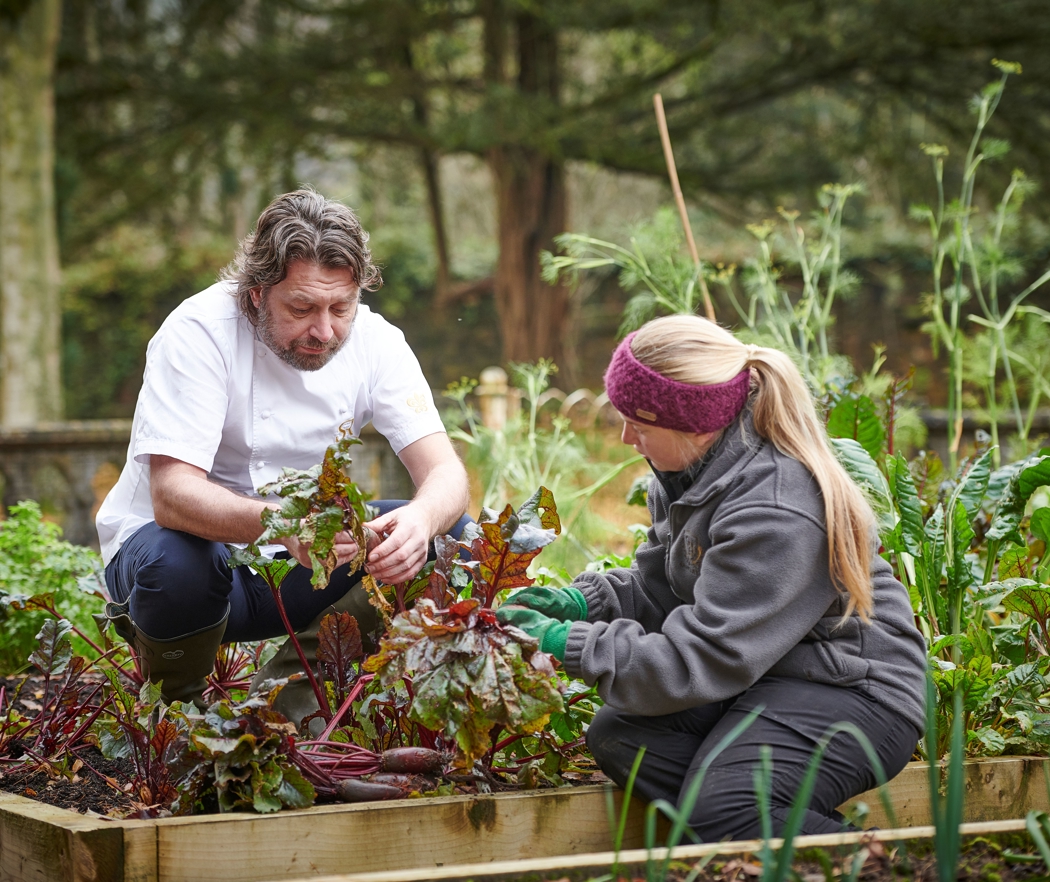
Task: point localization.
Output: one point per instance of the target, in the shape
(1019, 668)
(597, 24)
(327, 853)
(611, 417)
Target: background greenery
(177, 122)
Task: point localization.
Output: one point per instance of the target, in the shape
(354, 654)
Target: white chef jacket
(215, 396)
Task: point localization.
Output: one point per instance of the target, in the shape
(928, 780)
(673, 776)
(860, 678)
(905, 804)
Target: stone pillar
(493, 394)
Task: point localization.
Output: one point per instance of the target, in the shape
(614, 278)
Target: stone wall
(69, 467)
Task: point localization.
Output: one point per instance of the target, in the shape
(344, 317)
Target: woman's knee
(609, 744)
(722, 806)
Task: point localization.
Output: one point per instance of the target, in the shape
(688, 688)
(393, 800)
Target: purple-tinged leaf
(54, 649)
(338, 647)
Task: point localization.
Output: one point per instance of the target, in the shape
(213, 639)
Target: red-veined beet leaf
(468, 674)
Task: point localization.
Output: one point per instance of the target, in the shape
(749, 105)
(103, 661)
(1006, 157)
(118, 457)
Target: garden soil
(88, 784)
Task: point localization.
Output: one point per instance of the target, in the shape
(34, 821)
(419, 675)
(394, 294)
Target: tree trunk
(443, 275)
(531, 210)
(30, 311)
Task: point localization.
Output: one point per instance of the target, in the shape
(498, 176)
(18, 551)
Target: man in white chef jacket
(256, 373)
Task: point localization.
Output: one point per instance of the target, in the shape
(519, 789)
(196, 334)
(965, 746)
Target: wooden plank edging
(601, 862)
(42, 842)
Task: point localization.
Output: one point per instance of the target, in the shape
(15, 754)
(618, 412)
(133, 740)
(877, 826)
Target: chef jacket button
(260, 351)
(265, 414)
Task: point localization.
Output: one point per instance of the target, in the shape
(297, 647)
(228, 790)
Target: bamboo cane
(676, 188)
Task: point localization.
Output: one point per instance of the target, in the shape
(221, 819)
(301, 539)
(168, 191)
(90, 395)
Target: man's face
(307, 317)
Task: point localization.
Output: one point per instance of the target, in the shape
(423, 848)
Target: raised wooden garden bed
(41, 842)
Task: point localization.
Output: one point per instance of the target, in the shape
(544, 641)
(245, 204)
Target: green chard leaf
(1030, 599)
(855, 417)
(909, 506)
(973, 486)
(1033, 472)
(1013, 564)
(960, 573)
(860, 466)
(1040, 524)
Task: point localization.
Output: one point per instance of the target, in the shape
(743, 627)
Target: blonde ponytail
(694, 350)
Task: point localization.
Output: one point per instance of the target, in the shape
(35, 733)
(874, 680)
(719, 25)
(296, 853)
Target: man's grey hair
(302, 225)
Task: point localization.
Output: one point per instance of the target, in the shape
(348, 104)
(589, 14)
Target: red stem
(512, 738)
(362, 681)
(506, 742)
(322, 699)
(41, 720)
(84, 726)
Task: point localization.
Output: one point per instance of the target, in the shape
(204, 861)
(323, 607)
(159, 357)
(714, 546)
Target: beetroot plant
(470, 675)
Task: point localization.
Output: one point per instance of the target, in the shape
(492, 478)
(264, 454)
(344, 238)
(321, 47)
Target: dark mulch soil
(80, 783)
(83, 790)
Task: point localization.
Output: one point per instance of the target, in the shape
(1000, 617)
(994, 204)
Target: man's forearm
(442, 490)
(444, 495)
(184, 499)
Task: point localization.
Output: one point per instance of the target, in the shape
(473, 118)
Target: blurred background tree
(30, 387)
(469, 132)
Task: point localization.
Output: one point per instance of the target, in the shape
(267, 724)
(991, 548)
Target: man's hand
(402, 551)
(345, 549)
(441, 497)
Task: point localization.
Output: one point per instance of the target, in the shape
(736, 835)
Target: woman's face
(667, 449)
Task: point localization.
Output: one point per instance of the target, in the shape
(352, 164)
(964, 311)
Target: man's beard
(301, 361)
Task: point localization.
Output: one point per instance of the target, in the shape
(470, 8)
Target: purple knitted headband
(643, 395)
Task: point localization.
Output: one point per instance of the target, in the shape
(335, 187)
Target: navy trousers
(179, 584)
(795, 715)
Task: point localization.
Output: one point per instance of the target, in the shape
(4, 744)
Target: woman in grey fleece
(758, 588)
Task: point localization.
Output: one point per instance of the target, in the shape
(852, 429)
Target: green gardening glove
(564, 604)
(551, 633)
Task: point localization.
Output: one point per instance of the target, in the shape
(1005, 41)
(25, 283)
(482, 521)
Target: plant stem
(322, 699)
(362, 681)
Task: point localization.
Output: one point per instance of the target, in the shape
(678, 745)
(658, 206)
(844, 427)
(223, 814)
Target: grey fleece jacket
(733, 584)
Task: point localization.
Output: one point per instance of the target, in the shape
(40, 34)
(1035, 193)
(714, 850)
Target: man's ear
(256, 295)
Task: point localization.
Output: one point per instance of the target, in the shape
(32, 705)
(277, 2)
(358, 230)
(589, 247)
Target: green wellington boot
(179, 664)
(297, 700)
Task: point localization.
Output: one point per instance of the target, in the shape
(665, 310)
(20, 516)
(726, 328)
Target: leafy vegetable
(319, 503)
(468, 673)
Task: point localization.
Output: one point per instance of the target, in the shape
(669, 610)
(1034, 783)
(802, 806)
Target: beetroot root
(411, 760)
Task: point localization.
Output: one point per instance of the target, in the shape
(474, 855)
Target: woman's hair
(301, 225)
(691, 349)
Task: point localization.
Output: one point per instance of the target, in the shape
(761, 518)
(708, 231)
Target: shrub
(36, 564)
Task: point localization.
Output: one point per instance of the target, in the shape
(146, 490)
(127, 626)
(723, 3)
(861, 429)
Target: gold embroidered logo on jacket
(693, 553)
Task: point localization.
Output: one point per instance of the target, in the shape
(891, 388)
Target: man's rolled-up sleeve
(403, 408)
(182, 405)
